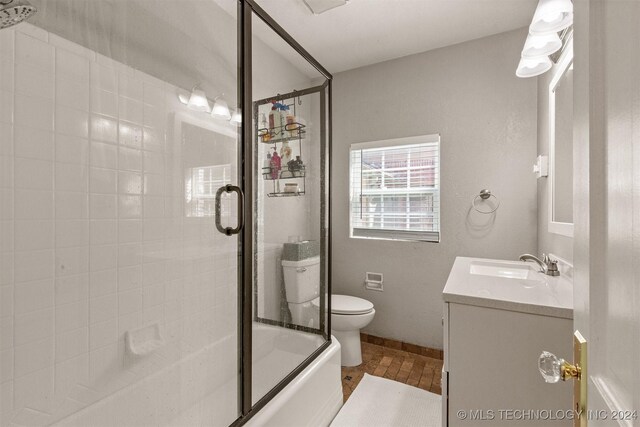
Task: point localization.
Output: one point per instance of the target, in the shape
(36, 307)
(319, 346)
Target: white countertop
(530, 292)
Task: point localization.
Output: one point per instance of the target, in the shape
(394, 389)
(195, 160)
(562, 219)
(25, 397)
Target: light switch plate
(541, 166)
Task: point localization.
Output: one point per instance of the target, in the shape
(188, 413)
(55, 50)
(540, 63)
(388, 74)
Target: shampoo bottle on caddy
(276, 165)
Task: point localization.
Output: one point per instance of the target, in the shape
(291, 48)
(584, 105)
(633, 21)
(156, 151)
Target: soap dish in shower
(143, 341)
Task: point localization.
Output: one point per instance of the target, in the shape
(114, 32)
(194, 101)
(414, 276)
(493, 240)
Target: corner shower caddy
(286, 132)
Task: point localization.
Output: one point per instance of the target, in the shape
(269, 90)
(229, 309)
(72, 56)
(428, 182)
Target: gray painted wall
(487, 120)
(556, 244)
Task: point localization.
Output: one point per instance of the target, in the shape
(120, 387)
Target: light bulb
(541, 45)
(236, 117)
(198, 101)
(531, 67)
(551, 16)
(220, 109)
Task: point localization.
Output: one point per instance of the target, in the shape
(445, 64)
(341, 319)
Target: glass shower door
(121, 169)
(290, 210)
(118, 296)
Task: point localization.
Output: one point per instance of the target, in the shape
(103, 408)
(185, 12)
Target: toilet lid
(345, 304)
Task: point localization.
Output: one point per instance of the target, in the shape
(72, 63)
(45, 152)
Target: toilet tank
(302, 279)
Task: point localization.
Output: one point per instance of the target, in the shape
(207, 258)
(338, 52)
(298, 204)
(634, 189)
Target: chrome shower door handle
(230, 189)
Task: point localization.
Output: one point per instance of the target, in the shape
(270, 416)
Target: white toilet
(302, 285)
(348, 314)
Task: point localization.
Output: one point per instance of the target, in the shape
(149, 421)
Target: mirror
(561, 146)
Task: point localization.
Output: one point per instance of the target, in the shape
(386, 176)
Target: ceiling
(183, 43)
(365, 32)
(150, 35)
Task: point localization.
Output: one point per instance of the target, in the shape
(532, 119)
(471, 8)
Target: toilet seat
(347, 305)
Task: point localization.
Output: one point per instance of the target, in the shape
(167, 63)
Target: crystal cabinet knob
(554, 369)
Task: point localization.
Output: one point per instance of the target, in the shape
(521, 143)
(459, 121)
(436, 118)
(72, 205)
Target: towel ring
(484, 195)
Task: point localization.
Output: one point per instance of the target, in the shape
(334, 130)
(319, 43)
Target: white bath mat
(379, 402)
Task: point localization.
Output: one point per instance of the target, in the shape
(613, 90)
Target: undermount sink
(505, 270)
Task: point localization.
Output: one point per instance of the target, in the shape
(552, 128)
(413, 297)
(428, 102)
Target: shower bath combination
(13, 12)
(126, 309)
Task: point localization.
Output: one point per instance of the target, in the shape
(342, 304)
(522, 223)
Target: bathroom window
(201, 185)
(395, 189)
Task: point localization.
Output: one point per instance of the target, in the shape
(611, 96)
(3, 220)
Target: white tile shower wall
(94, 243)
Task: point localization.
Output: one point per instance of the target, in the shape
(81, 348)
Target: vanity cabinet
(491, 347)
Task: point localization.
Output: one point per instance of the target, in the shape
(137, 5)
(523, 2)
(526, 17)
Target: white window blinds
(395, 189)
(201, 185)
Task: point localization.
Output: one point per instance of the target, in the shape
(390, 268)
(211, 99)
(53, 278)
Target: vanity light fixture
(531, 67)
(198, 100)
(551, 16)
(236, 117)
(541, 45)
(220, 109)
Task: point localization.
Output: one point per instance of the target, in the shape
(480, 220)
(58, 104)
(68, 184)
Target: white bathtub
(200, 389)
(312, 399)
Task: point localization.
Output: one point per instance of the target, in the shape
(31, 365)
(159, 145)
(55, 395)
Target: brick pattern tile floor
(398, 365)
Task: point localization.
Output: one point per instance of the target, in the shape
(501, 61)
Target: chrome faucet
(547, 265)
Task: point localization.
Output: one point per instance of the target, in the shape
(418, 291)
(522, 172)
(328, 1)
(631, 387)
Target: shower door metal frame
(247, 171)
